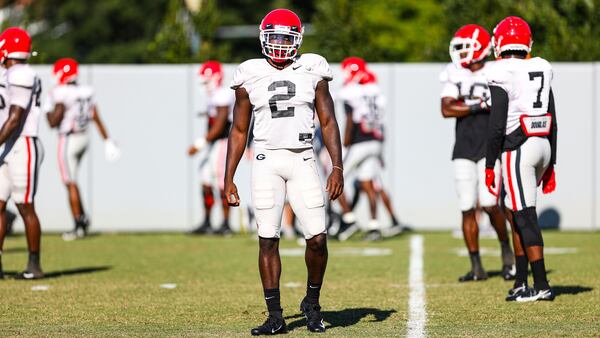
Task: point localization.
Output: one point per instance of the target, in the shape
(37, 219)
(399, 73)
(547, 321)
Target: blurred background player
(369, 81)
(283, 91)
(21, 151)
(363, 136)
(72, 108)
(220, 116)
(465, 97)
(523, 129)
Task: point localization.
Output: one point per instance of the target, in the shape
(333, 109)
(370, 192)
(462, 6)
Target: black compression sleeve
(497, 125)
(554, 131)
(347, 108)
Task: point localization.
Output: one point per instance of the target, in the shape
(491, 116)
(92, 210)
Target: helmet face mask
(281, 35)
(470, 44)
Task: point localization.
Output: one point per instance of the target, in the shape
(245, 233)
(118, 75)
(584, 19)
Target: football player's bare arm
(242, 113)
(12, 123)
(452, 107)
(331, 138)
(99, 124)
(55, 117)
(216, 130)
(349, 125)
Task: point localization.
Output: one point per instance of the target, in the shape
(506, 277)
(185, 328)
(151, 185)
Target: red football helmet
(211, 74)
(354, 69)
(15, 43)
(368, 77)
(512, 33)
(66, 70)
(470, 44)
(281, 35)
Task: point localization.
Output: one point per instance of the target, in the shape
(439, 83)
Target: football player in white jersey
(72, 108)
(21, 152)
(465, 97)
(523, 129)
(282, 92)
(220, 116)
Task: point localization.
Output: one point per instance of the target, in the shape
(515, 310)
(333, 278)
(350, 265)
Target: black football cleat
(223, 230)
(472, 276)
(533, 295)
(30, 274)
(273, 325)
(202, 229)
(312, 312)
(516, 291)
(509, 272)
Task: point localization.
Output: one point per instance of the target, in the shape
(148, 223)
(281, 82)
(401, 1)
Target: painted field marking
(417, 314)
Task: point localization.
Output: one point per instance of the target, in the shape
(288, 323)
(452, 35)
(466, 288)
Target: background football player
(21, 151)
(523, 129)
(220, 115)
(72, 109)
(465, 97)
(282, 92)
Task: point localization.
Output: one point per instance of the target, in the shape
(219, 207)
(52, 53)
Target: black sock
(272, 298)
(476, 265)
(540, 281)
(522, 270)
(395, 220)
(34, 260)
(312, 293)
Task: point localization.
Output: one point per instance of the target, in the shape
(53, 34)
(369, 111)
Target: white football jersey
(283, 100)
(3, 97)
(527, 83)
(221, 97)
(79, 103)
(462, 83)
(367, 105)
(24, 89)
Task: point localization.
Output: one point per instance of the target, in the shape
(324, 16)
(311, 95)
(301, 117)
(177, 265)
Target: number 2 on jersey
(291, 92)
(532, 76)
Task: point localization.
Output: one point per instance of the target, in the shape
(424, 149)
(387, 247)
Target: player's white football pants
(469, 177)
(71, 148)
(277, 171)
(20, 171)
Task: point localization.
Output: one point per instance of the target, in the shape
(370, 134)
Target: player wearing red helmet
(21, 152)
(220, 116)
(282, 92)
(523, 130)
(71, 107)
(465, 97)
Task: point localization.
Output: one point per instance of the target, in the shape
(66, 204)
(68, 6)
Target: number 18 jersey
(283, 100)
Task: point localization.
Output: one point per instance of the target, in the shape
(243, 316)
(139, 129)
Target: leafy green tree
(171, 43)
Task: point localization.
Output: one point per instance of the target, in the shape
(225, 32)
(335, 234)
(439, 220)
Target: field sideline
(110, 285)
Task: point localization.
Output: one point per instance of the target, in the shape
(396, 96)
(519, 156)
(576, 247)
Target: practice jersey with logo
(221, 97)
(22, 87)
(283, 100)
(79, 107)
(527, 83)
(471, 88)
(364, 103)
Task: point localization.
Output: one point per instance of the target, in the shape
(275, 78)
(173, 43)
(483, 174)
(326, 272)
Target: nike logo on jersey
(296, 67)
(306, 159)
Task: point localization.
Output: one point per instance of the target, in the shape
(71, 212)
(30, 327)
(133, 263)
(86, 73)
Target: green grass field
(109, 286)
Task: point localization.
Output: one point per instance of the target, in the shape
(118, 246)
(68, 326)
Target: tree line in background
(173, 31)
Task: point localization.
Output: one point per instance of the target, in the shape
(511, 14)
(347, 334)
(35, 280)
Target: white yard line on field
(417, 315)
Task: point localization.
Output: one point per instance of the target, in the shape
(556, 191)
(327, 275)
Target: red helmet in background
(66, 70)
(211, 74)
(368, 77)
(15, 43)
(512, 33)
(281, 35)
(354, 68)
(470, 44)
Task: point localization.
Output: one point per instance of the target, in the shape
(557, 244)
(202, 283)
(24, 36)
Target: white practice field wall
(152, 113)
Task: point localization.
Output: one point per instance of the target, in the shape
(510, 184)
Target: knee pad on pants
(527, 223)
